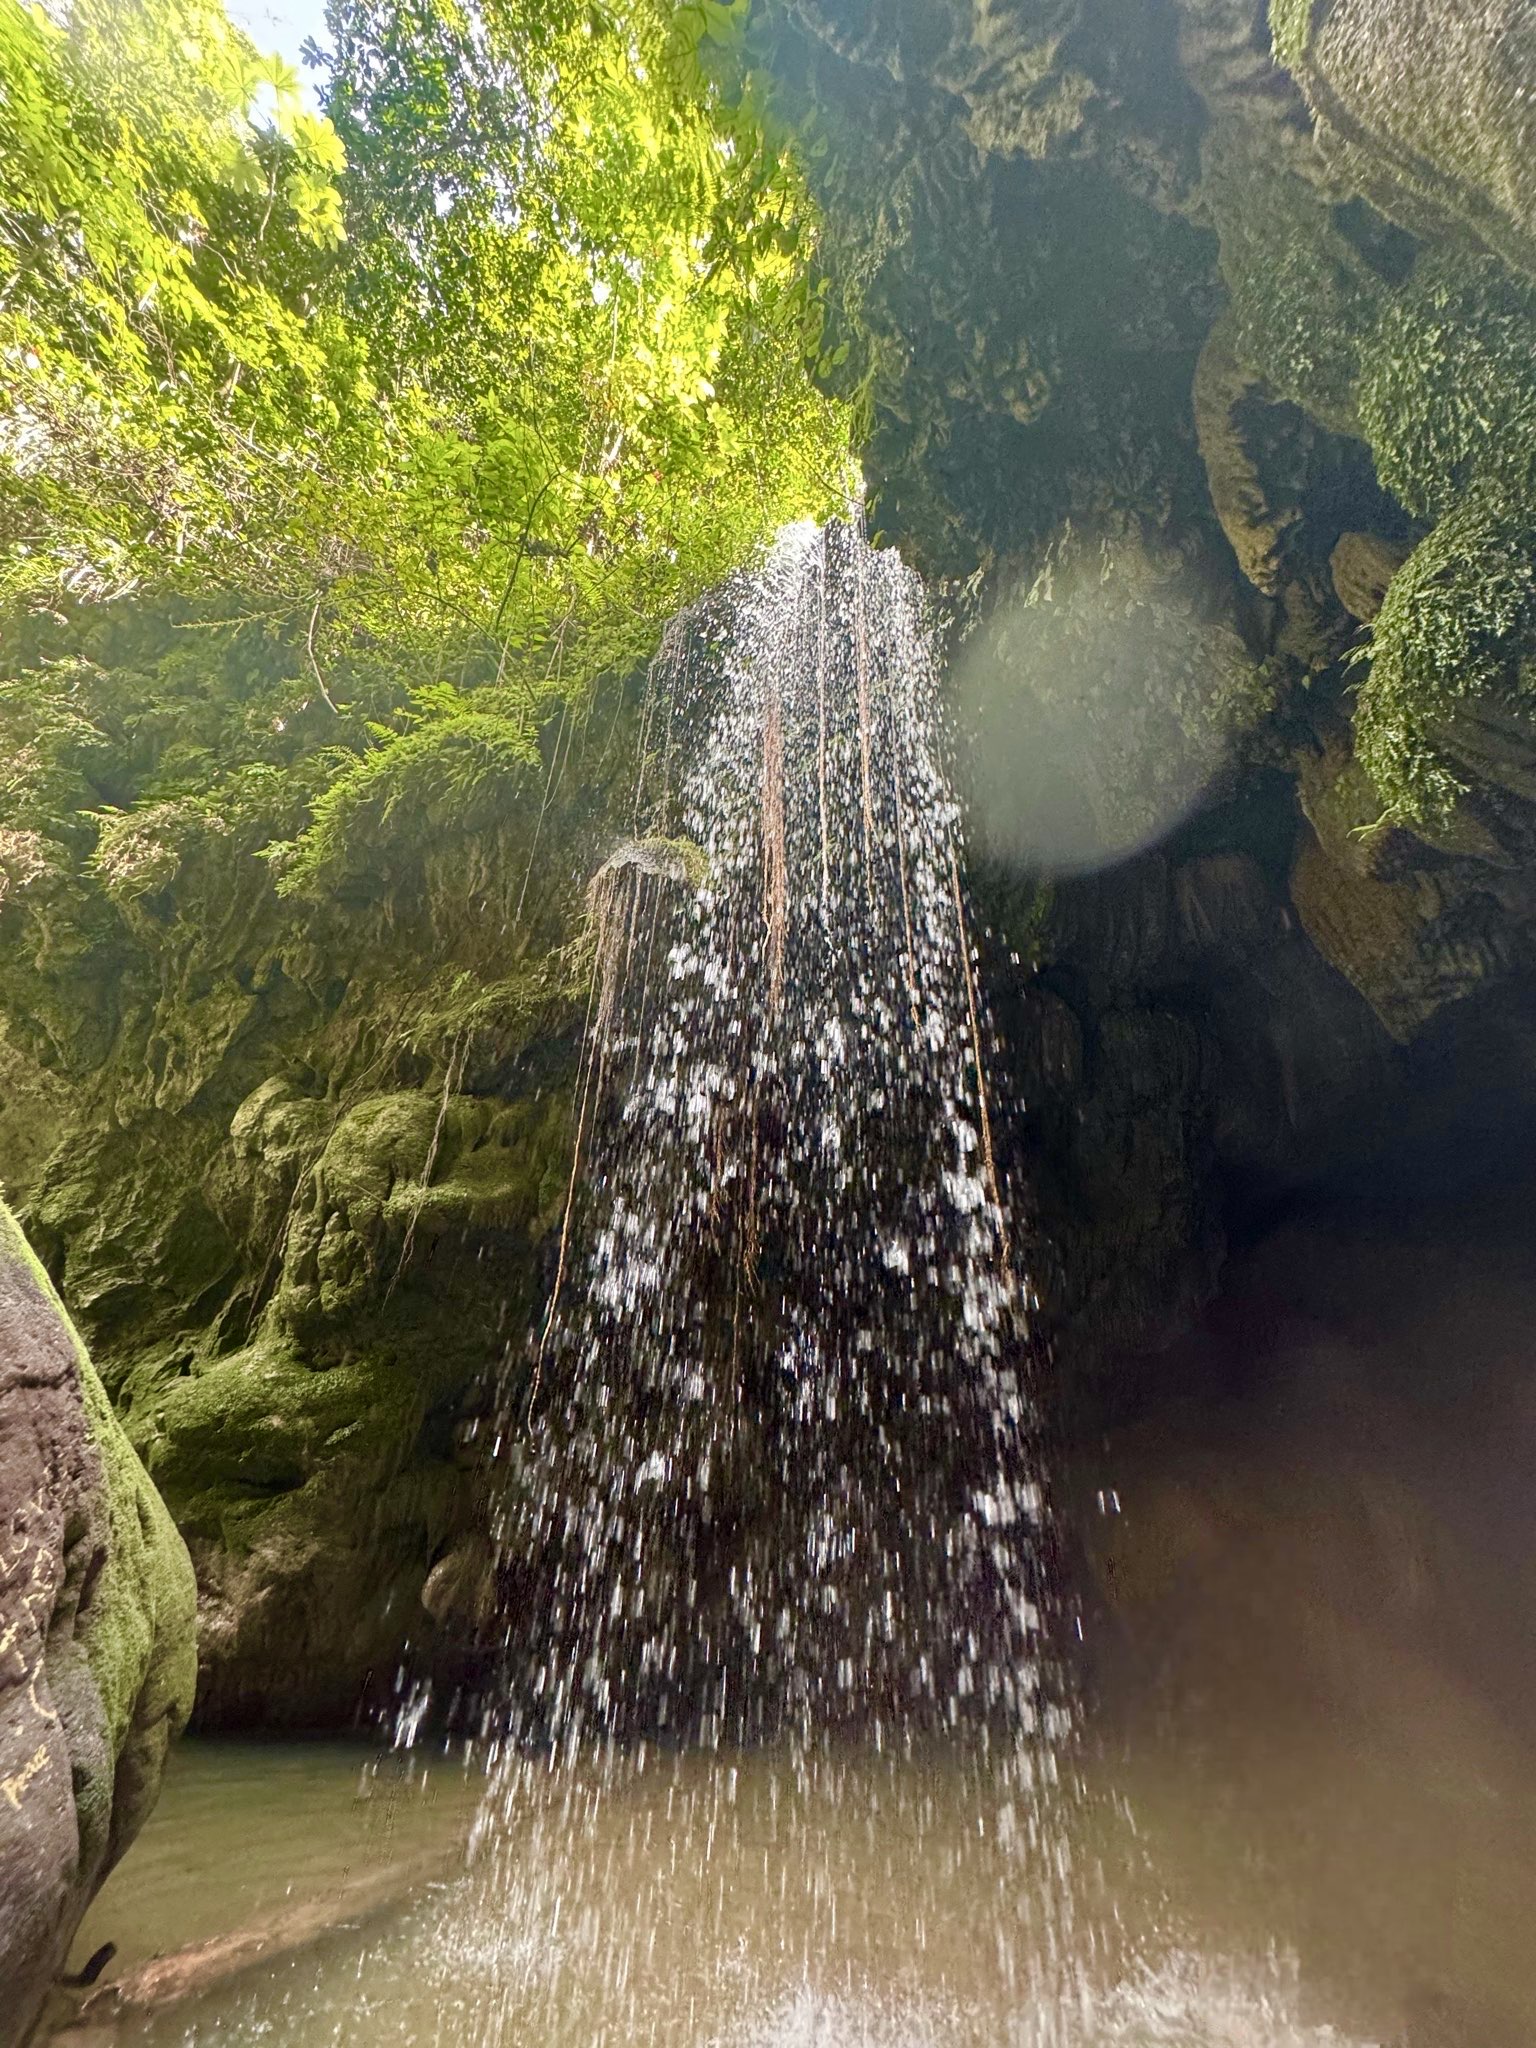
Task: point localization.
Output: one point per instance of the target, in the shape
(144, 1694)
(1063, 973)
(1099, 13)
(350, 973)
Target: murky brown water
(1309, 1805)
(1238, 1878)
(1256, 1895)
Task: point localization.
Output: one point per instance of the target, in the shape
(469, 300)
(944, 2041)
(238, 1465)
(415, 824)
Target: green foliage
(1290, 28)
(141, 852)
(167, 207)
(453, 773)
(1447, 393)
(1448, 403)
(1458, 627)
(336, 454)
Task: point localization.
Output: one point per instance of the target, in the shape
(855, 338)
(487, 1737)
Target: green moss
(143, 1242)
(499, 1166)
(238, 1445)
(1448, 384)
(140, 1635)
(34, 1107)
(138, 1627)
(1458, 624)
(1290, 29)
(1304, 301)
(452, 774)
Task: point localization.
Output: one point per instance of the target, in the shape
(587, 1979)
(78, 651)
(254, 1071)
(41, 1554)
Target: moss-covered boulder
(97, 1634)
(289, 1122)
(1426, 109)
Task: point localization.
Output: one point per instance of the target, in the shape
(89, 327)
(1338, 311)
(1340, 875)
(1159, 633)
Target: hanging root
(861, 648)
(775, 851)
(453, 1074)
(909, 956)
(989, 1157)
(613, 896)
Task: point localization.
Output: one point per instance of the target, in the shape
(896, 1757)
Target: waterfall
(776, 1749)
(774, 1471)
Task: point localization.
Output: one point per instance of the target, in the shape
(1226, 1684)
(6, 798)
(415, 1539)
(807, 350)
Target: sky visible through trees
(356, 422)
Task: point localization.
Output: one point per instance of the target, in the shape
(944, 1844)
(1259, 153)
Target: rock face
(1426, 109)
(298, 1165)
(1195, 341)
(1180, 1058)
(97, 1634)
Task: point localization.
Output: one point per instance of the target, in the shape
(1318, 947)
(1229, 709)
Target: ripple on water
(1188, 2001)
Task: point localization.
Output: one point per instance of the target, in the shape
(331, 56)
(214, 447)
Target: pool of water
(246, 1831)
(1300, 1810)
(845, 1899)
(1233, 1879)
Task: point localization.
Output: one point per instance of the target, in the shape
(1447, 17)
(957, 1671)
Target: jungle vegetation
(340, 449)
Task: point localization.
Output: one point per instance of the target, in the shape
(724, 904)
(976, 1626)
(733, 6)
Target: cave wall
(1194, 345)
(297, 1164)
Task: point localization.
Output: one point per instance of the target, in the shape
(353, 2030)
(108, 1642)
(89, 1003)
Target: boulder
(97, 1634)
(1428, 108)
(1362, 565)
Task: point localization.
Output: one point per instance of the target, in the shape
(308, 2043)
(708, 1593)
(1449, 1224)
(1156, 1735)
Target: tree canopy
(337, 448)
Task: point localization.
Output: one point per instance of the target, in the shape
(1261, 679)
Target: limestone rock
(1254, 525)
(1362, 565)
(1414, 927)
(97, 1635)
(460, 1589)
(1411, 944)
(1223, 906)
(1429, 108)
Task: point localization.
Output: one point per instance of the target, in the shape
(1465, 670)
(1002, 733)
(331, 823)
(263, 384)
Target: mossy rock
(1448, 383)
(1304, 300)
(97, 1626)
(1456, 639)
(1429, 111)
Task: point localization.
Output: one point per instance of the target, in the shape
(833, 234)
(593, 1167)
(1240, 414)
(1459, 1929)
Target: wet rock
(1299, 1061)
(97, 1635)
(460, 1589)
(1411, 945)
(1429, 111)
(1255, 525)
(1118, 925)
(1223, 904)
(1048, 1047)
(1414, 929)
(1362, 565)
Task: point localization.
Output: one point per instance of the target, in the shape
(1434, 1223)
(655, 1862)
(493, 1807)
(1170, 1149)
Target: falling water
(776, 1481)
(780, 1743)
(778, 1746)
(776, 1474)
